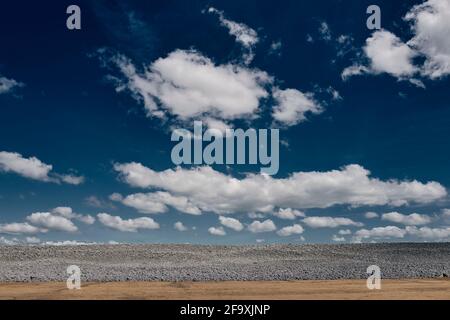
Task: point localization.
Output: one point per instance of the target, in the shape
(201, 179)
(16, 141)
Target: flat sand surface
(232, 290)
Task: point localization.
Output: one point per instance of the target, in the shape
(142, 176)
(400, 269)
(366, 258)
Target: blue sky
(364, 120)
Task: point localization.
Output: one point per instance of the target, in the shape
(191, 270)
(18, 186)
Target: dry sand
(233, 290)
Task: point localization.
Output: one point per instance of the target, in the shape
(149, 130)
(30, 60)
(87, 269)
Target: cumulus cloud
(330, 222)
(292, 106)
(290, 230)
(217, 231)
(345, 232)
(413, 219)
(431, 26)
(179, 226)
(288, 213)
(20, 228)
(71, 179)
(158, 202)
(429, 233)
(243, 34)
(446, 214)
(371, 215)
(53, 222)
(231, 223)
(68, 213)
(33, 168)
(213, 191)
(8, 85)
(129, 225)
(265, 226)
(8, 242)
(32, 240)
(219, 91)
(337, 238)
(386, 54)
(379, 233)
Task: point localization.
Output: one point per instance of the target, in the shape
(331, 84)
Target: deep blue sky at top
(70, 116)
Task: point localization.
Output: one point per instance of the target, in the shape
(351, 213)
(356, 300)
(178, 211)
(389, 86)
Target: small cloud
(265, 226)
(231, 223)
(33, 168)
(290, 230)
(8, 85)
(129, 225)
(371, 215)
(336, 238)
(217, 231)
(180, 226)
(330, 222)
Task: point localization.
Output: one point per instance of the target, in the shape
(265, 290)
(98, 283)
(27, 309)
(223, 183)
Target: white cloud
(325, 31)
(371, 215)
(20, 228)
(336, 238)
(217, 231)
(71, 179)
(53, 222)
(212, 123)
(256, 215)
(243, 34)
(179, 226)
(68, 213)
(9, 242)
(446, 213)
(292, 106)
(222, 91)
(275, 48)
(265, 226)
(231, 223)
(96, 202)
(379, 233)
(129, 225)
(33, 168)
(290, 230)
(429, 233)
(213, 191)
(157, 202)
(330, 222)
(345, 232)
(32, 240)
(431, 27)
(430, 24)
(386, 54)
(288, 213)
(7, 85)
(354, 70)
(413, 219)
